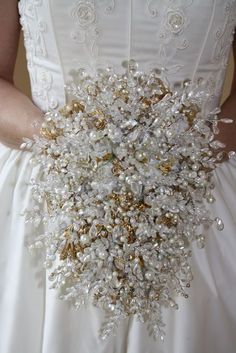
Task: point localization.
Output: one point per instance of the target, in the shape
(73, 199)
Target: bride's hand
(17, 111)
(19, 117)
(13, 137)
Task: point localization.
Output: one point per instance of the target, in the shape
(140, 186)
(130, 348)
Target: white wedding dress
(190, 39)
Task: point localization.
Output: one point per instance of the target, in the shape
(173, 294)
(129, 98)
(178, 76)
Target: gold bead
(77, 106)
(69, 251)
(190, 112)
(117, 169)
(141, 261)
(100, 124)
(145, 102)
(165, 167)
(72, 107)
(131, 257)
(50, 133)
(107, 156)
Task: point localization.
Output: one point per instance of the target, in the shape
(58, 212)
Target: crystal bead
(201, 241)
(231, 154)
(125, 175)
(219, 224)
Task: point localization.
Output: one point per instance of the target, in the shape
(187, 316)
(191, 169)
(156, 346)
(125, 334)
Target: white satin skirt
(33, 320)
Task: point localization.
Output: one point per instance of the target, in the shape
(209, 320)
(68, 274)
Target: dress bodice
(190, 39)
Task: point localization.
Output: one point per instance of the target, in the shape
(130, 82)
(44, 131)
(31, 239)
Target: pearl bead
(158, 132)
(149, 276)
(102, 254)
(140, 155)
(169, 134)
(39, 244)
(210, 199)
(47, 264)
(195, 167)
(85, 239)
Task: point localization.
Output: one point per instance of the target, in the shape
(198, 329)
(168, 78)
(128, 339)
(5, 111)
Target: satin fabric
(34, 320)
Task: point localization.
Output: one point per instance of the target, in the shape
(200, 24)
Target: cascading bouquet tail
(126, 170)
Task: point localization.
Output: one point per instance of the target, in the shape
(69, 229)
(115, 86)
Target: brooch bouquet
(126, 168)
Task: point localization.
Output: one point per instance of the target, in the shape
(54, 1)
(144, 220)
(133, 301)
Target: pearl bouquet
(126, 168)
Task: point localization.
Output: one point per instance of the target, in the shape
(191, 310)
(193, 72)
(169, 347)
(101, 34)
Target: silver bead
(149, 275)
(219, 224)
(201, 241)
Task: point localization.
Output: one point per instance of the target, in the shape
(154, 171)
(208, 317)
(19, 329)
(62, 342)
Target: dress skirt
(34, 320)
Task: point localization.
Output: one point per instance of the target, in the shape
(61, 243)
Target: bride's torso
(190, 39)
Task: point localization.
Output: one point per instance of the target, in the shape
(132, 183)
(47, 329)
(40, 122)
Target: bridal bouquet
(126, 170)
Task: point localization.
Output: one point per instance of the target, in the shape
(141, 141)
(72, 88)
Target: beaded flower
(126, 168)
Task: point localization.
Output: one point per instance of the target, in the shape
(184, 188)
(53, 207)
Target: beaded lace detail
(108, 5)
(84, 16)
(172, 23)
(35, 30)
(224, 37)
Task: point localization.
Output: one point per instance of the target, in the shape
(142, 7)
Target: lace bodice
(190, 39)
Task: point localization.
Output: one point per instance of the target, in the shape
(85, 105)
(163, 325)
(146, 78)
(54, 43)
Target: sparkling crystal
(126, 167)
(201, 241)
(219, 223)
(231, 154)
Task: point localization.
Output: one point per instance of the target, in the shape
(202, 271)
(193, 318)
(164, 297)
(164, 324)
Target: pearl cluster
(126, 166)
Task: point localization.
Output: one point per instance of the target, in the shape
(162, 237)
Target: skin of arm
(227, 133)
(19, 116)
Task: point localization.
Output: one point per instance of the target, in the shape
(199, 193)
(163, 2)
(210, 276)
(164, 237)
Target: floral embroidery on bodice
(188, 39)
(171, 28)
(85, 20)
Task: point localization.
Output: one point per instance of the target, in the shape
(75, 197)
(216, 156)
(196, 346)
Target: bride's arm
(17, 111)
(228, 110)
